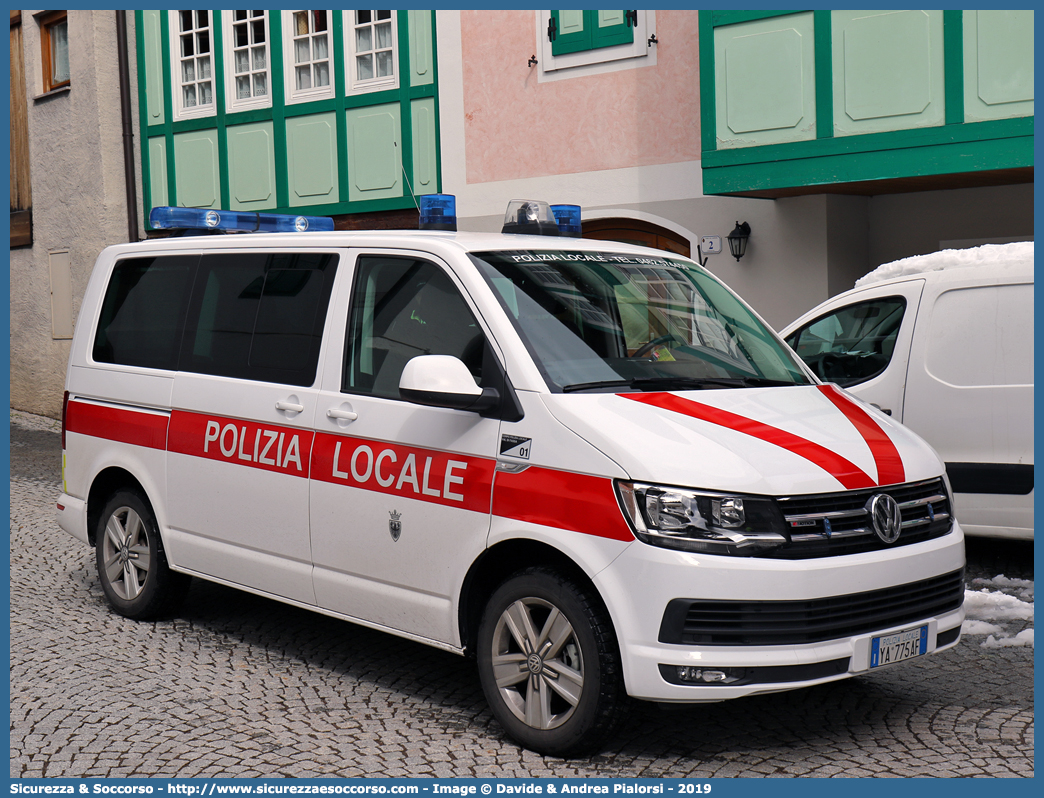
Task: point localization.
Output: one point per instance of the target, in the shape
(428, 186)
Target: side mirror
(444, 381)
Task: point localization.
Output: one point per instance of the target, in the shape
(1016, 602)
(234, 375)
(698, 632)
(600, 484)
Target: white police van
(590, 465)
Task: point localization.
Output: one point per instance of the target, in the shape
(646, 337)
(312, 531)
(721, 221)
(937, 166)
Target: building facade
(844, 139)
(69, 183)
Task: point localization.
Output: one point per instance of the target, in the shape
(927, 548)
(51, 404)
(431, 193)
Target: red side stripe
(446, 478)
(117, 424)
(561, 499)
(283, 450)
(890, 469)
(846, 472)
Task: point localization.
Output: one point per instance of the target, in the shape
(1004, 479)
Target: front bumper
(644, 580)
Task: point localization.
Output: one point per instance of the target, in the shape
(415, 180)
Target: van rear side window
(254, 316)
(259, 316)
(143, 316)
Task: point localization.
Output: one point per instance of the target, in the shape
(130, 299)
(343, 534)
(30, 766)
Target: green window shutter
(609, 28)
(589, 30)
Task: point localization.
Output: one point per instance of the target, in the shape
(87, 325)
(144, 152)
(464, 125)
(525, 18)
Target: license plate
(896, 647)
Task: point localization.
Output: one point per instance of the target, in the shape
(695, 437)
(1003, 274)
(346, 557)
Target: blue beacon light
(438, 212)
(568, 218)
(170, 218)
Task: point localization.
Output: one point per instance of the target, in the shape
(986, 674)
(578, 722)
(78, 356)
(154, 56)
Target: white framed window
(192, 53)
(372, 45)
(308, 55)
(248, 70)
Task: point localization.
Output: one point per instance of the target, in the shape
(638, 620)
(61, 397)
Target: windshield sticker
(594, 257)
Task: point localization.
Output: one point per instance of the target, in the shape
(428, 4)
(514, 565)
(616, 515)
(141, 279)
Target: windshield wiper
(586, 386)
(680, 383)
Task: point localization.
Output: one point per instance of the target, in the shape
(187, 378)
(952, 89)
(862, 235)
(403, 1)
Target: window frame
(491, 368)
(212, 262)
(353, 85)
(228, 43)
(291, 93)
(178, 108)
(47, 24)
(818, 367)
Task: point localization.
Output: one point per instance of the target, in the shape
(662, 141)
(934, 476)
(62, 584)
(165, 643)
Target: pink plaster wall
(515, 127)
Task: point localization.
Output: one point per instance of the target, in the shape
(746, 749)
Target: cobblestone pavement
(237, 685)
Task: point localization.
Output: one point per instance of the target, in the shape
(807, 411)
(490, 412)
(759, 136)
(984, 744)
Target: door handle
(347, 415)
(289, 407)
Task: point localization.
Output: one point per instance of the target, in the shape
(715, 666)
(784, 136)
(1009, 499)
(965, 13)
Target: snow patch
(995, 255)
(981, 628)
(990, 605)
(1000, 599)
(1023, 638)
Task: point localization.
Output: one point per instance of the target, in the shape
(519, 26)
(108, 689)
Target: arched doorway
(635, 231)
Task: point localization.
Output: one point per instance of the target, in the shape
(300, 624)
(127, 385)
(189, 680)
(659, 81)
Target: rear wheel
(132, 566)
(549, 664)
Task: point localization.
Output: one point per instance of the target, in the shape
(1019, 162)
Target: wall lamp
(738, 239)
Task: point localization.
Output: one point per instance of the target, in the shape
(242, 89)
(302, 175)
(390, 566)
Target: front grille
(776, 623)
(833, 524)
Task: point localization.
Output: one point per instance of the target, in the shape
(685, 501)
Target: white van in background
(944, 344)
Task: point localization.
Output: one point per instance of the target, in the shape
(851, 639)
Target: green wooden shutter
(589, 30)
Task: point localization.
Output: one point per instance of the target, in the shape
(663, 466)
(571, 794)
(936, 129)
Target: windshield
(605, 321)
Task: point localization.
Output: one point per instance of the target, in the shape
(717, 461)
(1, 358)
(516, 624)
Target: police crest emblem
(395, 525)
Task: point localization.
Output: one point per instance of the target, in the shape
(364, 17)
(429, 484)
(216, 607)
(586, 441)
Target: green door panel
(311, 150)
(425, 171)
(158, 171)
(374, 152)
(251, 167)
(998, 64)
(196, 169)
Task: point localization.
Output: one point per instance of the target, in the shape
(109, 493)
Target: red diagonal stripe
(844, 471)
(890, 469)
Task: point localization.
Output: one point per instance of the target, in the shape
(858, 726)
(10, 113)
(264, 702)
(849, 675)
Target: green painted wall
(196, 169)
(311, 147)
(251, 167)
(153, 62)
(998, 64)
(892, 94)
(374, 153)
(157, 158)
(766, 92)
(888, 70)
(425, 151)
(422, 64)
(348, 154)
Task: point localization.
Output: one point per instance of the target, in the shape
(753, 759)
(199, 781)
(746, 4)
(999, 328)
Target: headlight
(691, 520)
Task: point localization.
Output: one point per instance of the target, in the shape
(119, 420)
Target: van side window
(259, 316)
(853, 344)
(143, 314)
(402, 308)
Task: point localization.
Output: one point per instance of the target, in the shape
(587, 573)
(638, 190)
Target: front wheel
(549, 664)
(132, 566)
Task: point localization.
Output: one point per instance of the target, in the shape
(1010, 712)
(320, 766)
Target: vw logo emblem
(885, 517)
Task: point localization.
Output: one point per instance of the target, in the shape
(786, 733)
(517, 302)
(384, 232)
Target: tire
(132, 566)
(549, 664)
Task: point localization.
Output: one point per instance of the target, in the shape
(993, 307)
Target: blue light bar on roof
(568, 218)
(438, 212)
(168, 218)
